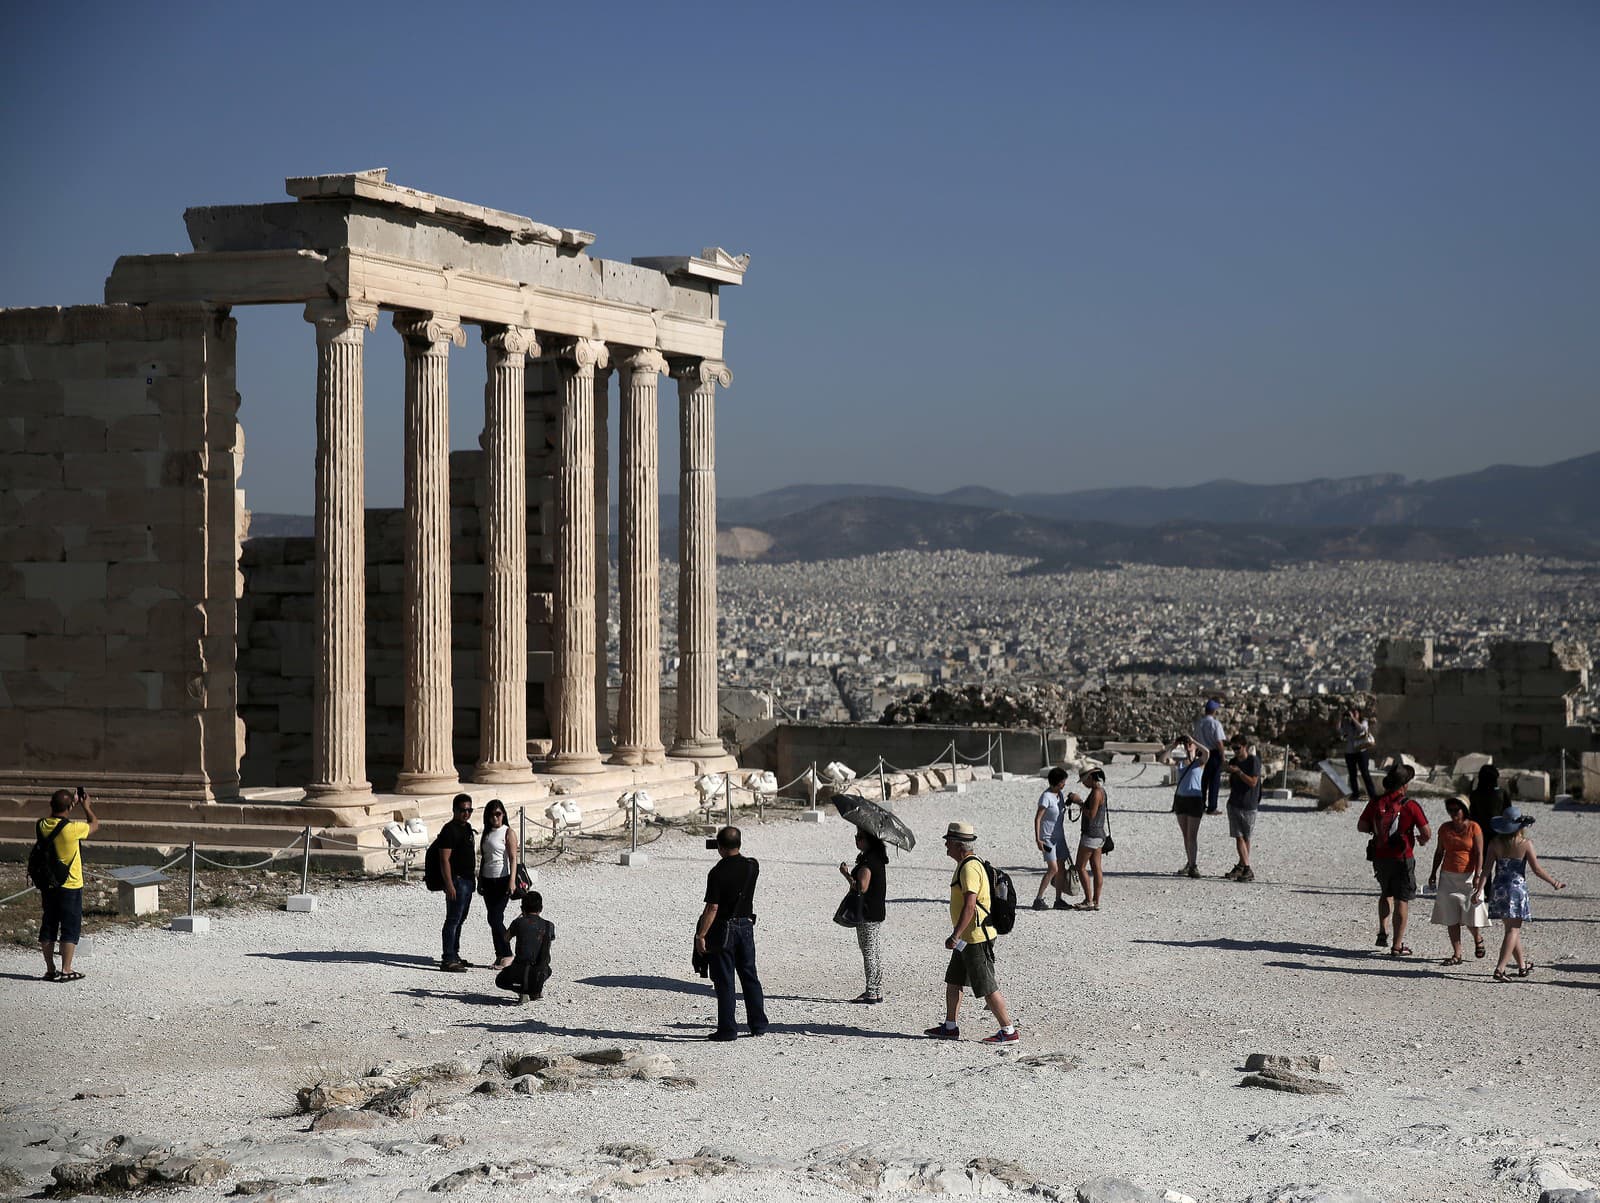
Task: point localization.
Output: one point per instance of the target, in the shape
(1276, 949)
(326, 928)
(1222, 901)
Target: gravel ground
(1452, 1085)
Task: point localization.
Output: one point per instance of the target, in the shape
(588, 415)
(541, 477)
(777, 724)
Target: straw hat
(961, 833)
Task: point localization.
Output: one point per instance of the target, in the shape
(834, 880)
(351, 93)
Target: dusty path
(1160, 997)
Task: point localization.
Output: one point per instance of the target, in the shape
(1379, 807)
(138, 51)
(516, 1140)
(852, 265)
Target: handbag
(521, 883)
(850, 910)
(1110, 846)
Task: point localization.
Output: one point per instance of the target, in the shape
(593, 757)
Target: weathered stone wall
(1521, 709)
(120, 522)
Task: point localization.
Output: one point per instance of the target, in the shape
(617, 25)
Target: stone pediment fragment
(373, 185)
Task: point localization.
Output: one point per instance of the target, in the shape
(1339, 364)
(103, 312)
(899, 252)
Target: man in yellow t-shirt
(971, 941)
(63, 905)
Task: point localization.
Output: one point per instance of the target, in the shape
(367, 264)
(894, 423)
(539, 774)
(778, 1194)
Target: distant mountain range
(1553, 510)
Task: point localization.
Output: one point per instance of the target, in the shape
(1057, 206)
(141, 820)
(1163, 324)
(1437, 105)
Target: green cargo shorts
(974, 966)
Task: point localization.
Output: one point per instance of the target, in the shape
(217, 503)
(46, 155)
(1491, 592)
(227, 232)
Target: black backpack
(46, 870)
(1002, 915)
(433, 865)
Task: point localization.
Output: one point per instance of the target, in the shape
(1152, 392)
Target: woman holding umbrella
(875, 827)
(869, 878)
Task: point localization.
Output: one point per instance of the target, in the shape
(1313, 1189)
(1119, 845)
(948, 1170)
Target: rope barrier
(18, 894)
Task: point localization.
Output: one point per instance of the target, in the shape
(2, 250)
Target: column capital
(582, 355)
(511, 340)
(699, 372)
(416, 326)
(642, 359)
(336, 318)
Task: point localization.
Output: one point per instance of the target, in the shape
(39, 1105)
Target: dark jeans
(62, 921)
(1359, 762)
(455, 914)
(495, 891)
(735, 953)
(1211, 779)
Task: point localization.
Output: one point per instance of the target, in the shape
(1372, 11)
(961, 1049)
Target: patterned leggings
(871, 957)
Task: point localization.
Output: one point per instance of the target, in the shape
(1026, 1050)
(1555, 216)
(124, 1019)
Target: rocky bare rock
(346, 1119)
(1110, 1189)
(1291, 1083)
(1313, 1063)
(121, 1173)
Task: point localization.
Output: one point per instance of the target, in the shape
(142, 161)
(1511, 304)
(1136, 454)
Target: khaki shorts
(973, 966)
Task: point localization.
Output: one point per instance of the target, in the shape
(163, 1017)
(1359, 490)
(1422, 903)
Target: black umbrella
(874, 820)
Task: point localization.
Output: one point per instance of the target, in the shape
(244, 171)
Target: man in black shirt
(458, 862)
(1244, 801)
(726, 935)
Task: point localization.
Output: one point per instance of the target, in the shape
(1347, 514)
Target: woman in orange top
(1457, 866)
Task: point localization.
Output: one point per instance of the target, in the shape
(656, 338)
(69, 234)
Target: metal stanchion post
(955, 786)
(198, 924)
(883, 781)
(522, 831)
(305, 900)
(727, 796)
(1000, 746)
(811, 814)
(633, 856)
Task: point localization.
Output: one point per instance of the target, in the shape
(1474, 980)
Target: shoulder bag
(1110, 846)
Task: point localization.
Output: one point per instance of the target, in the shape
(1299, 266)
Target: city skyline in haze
(1034, 249)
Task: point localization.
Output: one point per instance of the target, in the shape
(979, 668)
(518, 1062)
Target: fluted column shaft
(572, 729)
(638, 563)
(428, 760)
(697, 557)
(503, 731)
(602, 549)
(339, 691)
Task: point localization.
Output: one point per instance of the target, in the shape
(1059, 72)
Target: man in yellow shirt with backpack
(56, 868)
(971, 941)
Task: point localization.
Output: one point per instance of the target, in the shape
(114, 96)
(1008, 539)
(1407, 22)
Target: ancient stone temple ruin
(462, 638)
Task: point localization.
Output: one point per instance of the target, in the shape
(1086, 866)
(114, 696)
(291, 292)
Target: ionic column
(697, 556)
(339, 692)
(503, 731)
(428, 761)
(572, 723)
(638, 563)
(602, 549)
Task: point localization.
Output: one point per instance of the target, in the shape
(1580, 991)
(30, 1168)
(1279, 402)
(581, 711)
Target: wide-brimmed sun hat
(1456, 800)
(961, 833)
(1510, 821)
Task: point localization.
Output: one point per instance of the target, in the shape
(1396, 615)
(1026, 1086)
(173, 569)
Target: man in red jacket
(1396, 824)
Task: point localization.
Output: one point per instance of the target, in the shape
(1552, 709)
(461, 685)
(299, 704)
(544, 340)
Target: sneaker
(1039, 904)
(1233, 873)
(453, 966)
(1192, 871)
(1184, 872)
(522, 1000)
(1004, 1037)
(723, 1036)
(939, 1032)
(874, 1000)
(1063, 905)
(1211, 810)
(1247, 874)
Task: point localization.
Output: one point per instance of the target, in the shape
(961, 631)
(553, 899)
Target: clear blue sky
(1032, 246)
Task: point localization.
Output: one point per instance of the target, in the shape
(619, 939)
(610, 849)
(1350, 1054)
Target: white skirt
(1453, 903)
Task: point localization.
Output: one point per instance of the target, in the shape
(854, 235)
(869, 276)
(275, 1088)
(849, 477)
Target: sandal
(1479, 950)
(1525, 970)
(1500, 976)
(74, 976)
(1400, 950)
(1451, 961)
(49, 975)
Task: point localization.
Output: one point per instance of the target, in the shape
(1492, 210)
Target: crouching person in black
(531, 934)
(726, 936)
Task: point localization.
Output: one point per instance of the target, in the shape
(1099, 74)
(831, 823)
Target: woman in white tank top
(497, 866)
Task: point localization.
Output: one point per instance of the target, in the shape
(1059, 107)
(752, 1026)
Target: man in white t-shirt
(1208, 733)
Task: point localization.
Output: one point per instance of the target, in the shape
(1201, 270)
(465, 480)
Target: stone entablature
(357, 237)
